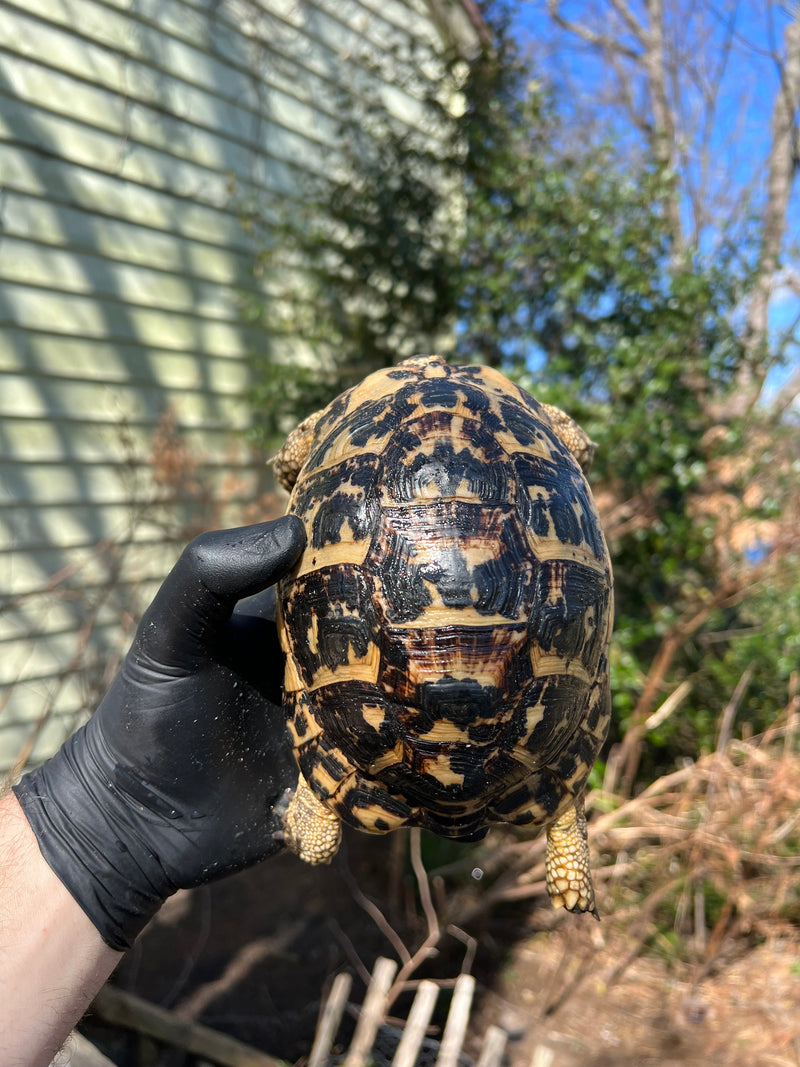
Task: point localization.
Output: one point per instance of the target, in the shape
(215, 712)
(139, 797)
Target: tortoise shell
(446, 629)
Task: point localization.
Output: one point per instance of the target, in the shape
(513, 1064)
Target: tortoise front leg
(574, 437)
(294, 452)
(311, 830)
(569, 879)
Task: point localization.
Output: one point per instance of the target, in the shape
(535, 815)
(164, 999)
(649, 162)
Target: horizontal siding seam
(252, 113)
(202, 86)
(130, 423)
(91, 252)
(198, 466)
(242, 251)
(257, 116)
(182, 312)
(252, 333)
(217, 172)
(139, 384)
(191, 198)
(234, 25)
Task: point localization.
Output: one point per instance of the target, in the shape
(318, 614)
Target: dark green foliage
(374, 244)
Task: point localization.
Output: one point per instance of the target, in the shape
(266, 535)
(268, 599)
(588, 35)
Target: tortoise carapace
(446, 629)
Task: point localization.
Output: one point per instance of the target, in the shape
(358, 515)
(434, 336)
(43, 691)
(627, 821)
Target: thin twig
(423, 884)
(471, 944)
(424, 952)
(374, 912)
(726, 720)
(350, 951)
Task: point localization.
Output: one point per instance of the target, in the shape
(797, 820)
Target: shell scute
(454, 555)
(361, 720)
(324, 766)
(443, 455)
(554, 502)
(364, 802)
(460, 701)
(338, 502)
(555, 705)
(404, 594)
(369, 426)
(333, 608)
(569, 607)
(531, 433)
(490, 655)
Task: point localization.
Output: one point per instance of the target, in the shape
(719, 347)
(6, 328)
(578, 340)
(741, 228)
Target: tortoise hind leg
(294, 452)
(311, 830)
(569, 879)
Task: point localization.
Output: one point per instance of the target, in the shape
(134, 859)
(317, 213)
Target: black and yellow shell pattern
(447, 627)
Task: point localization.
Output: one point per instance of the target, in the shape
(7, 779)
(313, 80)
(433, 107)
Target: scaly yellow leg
(569, 879)
(290, 459)
(311, 829)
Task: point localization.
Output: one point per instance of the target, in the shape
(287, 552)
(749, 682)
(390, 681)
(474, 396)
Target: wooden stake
(124, 1009)
(417, 1025)
(331, 1017)
(372, 1012)
(456, 1026)
(494, 1045)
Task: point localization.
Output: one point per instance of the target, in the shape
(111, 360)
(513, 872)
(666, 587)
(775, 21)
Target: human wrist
(88, 836)
(54, 960)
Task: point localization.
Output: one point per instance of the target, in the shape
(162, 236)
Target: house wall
(129, 129)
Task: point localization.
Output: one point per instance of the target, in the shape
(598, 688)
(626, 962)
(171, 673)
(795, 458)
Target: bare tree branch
(633, 24)
(597, 40)
(660, 131)
(782, 165)
(663, 140)
(787, 394)
(625, 92)
(708, 85)
(680, 68)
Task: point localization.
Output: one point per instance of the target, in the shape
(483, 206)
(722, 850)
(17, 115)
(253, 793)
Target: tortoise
(446, 628)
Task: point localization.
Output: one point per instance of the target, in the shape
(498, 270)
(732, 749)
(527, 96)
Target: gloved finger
(233, 564)
(215, 571)
(261, 605)
(253, 651)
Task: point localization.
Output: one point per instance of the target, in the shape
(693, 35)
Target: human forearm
(52, 959)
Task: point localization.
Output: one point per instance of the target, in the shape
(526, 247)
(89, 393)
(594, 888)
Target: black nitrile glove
(171, 783)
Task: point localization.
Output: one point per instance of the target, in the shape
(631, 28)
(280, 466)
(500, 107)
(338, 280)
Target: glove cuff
(89, 841)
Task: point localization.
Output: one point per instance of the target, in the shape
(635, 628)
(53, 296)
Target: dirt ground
(746, 1015)
(253, 955)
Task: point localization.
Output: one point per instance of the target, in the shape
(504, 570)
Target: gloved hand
(171, 782)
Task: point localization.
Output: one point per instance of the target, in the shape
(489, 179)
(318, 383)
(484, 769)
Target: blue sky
(747, 34)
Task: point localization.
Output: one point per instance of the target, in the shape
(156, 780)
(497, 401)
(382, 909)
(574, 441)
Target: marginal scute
(446, 629)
